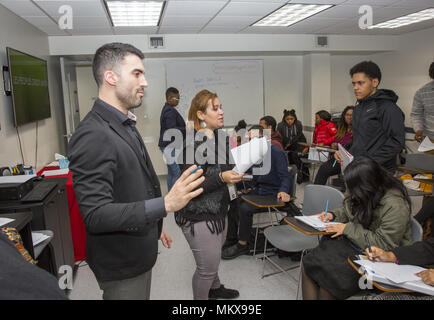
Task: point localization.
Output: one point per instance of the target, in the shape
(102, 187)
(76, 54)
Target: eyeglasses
(173, 98)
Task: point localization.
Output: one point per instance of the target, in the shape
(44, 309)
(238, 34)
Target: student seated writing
(377, 207)
(420, 254)
(277, 183)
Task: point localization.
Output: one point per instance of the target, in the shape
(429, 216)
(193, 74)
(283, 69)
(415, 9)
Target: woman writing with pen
(377, 206)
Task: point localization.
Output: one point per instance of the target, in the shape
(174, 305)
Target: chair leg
(299, 274)
(256, 239)
(264, 257)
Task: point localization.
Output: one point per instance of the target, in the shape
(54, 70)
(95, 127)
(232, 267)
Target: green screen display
(29, 80)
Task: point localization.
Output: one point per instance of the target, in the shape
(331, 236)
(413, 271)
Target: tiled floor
(171, 275)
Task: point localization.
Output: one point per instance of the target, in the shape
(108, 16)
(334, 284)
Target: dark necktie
(136, 137)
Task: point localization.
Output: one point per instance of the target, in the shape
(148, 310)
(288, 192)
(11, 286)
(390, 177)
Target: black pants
(240, 219)
(327, 170)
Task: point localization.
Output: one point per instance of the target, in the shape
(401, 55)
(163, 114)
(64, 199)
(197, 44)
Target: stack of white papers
(249, 153)
(38, 237)
(403, 276)
(346, 156)
(4, 221)
(315, 222)
(59, 172)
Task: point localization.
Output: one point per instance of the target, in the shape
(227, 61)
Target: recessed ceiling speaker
(322, 41)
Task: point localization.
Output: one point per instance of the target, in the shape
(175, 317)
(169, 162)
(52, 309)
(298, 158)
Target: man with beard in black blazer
(117, 189)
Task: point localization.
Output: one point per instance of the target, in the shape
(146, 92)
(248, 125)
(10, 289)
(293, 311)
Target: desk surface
(303, 227)
(268, 201)
(429, 181)
(402, 168)
(382, 287)
(21, 219)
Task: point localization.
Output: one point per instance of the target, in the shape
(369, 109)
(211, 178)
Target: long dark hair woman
(204, 220)
(377, 207)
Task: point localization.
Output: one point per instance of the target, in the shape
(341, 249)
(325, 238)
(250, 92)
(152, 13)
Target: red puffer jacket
(324, 133)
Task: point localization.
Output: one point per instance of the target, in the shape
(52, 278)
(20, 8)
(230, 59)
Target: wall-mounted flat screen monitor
(29, 86)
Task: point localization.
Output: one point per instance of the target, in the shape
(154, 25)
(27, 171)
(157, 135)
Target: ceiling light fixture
(135, 13)
(416, 17)
(290, 14)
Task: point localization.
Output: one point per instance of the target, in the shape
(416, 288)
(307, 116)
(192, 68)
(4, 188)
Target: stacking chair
(286, 238)
(270, 218)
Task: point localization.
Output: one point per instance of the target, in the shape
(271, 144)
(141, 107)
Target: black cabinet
(50, 214)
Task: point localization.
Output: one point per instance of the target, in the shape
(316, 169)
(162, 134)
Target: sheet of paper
(426, 145)
(249, 153)
(315, 222)
(4, 221)
(346, 156)
(38, 237)
(17, 179)
(394, 272)
(59, 172)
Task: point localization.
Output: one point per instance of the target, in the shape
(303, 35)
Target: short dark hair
(431, 71)
(257, 127)
(109, 56)
(270, 121)
(371, 69)
(171, 92)
(325, 115)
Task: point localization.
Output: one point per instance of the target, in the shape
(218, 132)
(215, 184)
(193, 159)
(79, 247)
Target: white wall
(19, 34)
(282, 89)
(403, 71)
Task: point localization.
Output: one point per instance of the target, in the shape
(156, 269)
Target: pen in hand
(369, 245)
(195, 170)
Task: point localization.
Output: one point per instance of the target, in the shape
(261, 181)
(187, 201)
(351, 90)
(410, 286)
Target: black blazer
(170, 118)
(118, 194)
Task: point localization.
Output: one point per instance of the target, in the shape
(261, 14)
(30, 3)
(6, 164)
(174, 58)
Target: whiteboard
(239, 85)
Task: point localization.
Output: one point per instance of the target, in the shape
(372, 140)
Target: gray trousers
(207, 249)
(137, 288)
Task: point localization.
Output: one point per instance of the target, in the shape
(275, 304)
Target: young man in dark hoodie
(268, 122)
(378, 123)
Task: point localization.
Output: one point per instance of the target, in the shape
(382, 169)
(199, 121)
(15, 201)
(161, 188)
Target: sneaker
(223, 293)
(235, 251)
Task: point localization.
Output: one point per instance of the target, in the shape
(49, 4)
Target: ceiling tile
(178, 30)
(80, 8)
(221, 21)
(192, 8)
(22, 8)
(184, 21)
(217, 30)
(252, 8)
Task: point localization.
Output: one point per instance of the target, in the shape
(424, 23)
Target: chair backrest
(316, 196)
(292, 169)
(419, 161)
(416, 231)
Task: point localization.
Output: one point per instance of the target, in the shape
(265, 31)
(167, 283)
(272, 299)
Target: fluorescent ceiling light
(290, 14)
(135, 13)
(423, 15)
